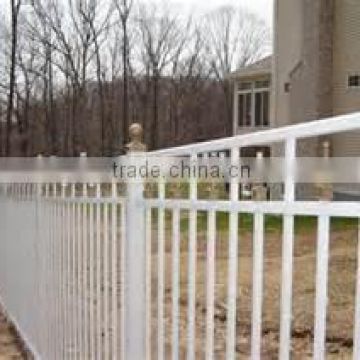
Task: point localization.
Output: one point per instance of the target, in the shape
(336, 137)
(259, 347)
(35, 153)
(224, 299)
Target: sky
(263, 8)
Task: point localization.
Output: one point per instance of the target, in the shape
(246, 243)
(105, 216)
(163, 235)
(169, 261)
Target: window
(354, 81)
(262, 84)
(245, 86)
(253, 103)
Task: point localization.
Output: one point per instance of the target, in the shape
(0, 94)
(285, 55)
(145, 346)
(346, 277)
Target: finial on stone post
(259, 192)
(136, 136)
(326, 149)
(325, 191)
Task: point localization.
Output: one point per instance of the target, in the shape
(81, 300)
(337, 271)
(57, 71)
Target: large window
(253, 103)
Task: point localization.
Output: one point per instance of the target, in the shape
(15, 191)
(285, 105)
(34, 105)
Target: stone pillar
(135, 254)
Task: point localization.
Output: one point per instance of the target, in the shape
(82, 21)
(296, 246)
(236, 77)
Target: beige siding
(288, 41)
(311, 80)
(346, 61)
(316, 47)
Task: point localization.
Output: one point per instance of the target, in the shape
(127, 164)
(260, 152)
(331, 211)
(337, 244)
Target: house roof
(260, 67)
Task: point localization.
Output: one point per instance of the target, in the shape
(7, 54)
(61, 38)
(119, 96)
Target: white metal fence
(61, 268)
(85, 273)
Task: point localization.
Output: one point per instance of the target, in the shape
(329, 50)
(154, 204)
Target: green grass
(273, 223)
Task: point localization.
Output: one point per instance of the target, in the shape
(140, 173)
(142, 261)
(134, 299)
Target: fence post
(135, 263)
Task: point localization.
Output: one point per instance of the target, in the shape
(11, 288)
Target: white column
(135, 258)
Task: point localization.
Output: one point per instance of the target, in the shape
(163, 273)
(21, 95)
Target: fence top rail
(329, 126)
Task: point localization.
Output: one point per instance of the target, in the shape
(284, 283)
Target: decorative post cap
(325, 191)
(136, 136)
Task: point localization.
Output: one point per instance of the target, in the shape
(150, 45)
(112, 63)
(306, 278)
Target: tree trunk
(15, 8)
(125, 84)
(155, 127)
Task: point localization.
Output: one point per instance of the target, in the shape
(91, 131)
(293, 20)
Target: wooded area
(75, 73)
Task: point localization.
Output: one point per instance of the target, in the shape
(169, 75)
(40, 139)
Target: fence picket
(233, 264)
(114, 277)
(210, 284)
(257, 294)
(192, 265)
(84, 285)
(98, 274)
(175, 282)
(287, 253)
(161, 275)
(92, 282)
(106, 283)
(73, 275)
(356, 354)
(322, 259)
(148, 284)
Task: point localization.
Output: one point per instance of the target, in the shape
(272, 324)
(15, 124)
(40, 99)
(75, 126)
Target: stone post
(135, 254)
(325, 191)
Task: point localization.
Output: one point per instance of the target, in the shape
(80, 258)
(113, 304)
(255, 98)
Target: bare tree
(15, 10)
(189, 70)
(83, 72)
(99, 30)
(124, 8)
(71, 43)
(29, 73)
(234, 38)
(160, 35)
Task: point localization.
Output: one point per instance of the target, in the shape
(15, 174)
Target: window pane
(241, 111)
(248, 109)
(354, 81)
(262, 84)
(244, 85)
(266, 108)
(258, 109)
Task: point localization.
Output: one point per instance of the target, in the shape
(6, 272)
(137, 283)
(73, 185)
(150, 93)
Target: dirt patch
(341, 290)
(10, 347)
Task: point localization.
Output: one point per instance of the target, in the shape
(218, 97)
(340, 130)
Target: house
(313, 73)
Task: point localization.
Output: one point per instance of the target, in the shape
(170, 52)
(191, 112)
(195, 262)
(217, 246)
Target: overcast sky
(263, 8)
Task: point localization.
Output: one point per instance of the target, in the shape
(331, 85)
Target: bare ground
(10, 348)
(342, 278)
